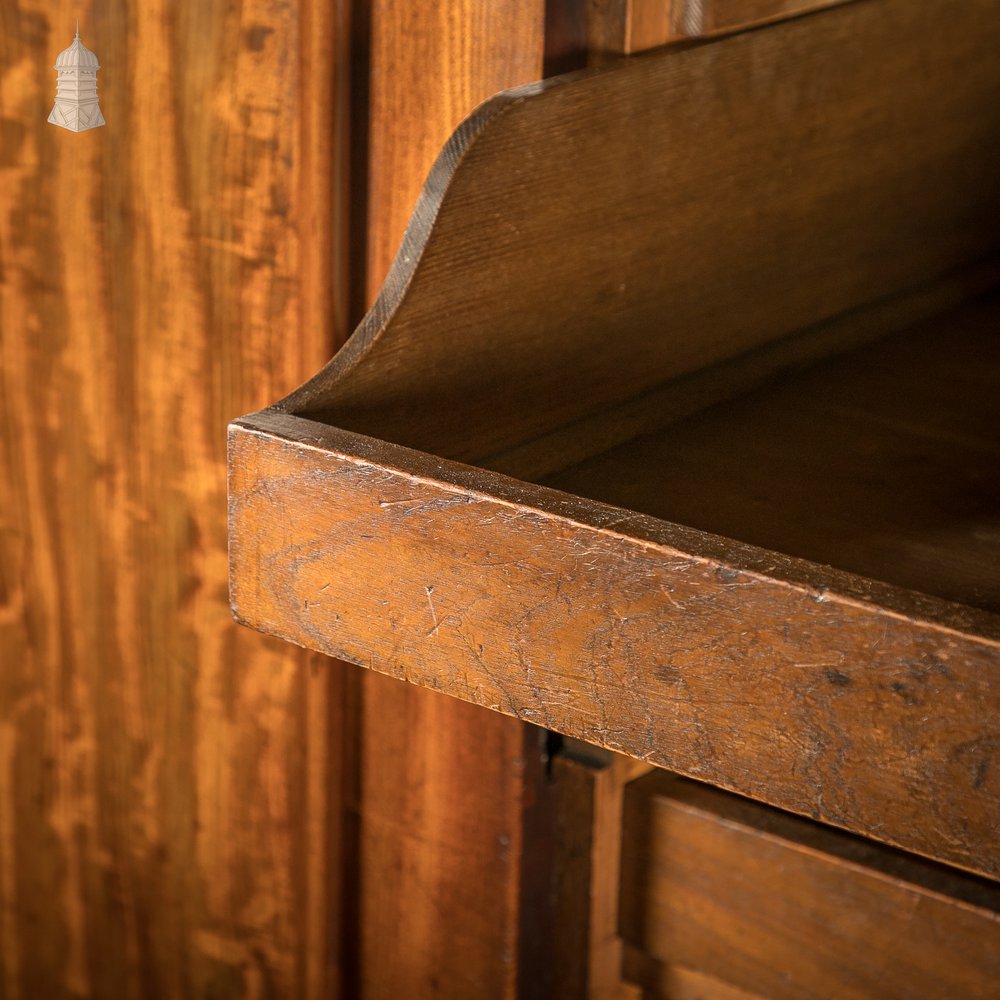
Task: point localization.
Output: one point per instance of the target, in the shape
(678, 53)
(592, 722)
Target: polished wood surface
(628, 631)
(692, 214)
(167, 779)
(782, 908)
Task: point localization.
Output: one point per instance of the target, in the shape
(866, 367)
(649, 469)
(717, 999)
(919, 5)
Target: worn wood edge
(679, 398)
(271, 606)
(820, 583)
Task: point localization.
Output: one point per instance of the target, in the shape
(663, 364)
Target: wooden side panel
(782, 908)
(441, 786)
(440, 811)
(674, 647)
(166, 778)
(675, 200)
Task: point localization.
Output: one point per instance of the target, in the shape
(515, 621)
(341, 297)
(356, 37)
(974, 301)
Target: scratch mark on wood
(434, 617)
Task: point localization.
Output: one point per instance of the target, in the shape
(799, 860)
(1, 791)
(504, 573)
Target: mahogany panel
(167, 780)
(782, 908)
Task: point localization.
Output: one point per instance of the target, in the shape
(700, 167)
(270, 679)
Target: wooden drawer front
(781, 907)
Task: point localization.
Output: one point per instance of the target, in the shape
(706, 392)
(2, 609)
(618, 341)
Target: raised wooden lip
(419, 229)
(386, 363)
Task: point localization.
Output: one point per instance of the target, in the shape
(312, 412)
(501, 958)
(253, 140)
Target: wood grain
(432, 63)
(827, 694)
(545, 457)
(442, 787)
(166, 778)
(696, 225)
(782, 908)
(603, 624)
(590, 784)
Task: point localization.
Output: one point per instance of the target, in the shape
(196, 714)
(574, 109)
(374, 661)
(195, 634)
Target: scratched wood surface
(786, 909)
(441, 786)
(846, 700)
(167, 778)
(389, 531)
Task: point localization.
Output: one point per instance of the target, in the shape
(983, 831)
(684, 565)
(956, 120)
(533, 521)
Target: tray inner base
(883, 462)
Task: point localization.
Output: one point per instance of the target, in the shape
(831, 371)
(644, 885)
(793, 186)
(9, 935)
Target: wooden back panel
(169, 782)
(436, 780)
(677, 209)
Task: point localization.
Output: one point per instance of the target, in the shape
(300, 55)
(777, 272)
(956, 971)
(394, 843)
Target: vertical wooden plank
(440, 814)
(442, 784)
(166, 778)
(565, 36)
(589, 791)
(431, 64)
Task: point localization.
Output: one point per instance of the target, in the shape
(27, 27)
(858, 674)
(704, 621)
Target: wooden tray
(675, 425)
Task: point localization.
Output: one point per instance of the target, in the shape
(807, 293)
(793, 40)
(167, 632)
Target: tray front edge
(847, 701)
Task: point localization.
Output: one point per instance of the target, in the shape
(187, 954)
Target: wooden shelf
(674, 428)
(884, 462)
